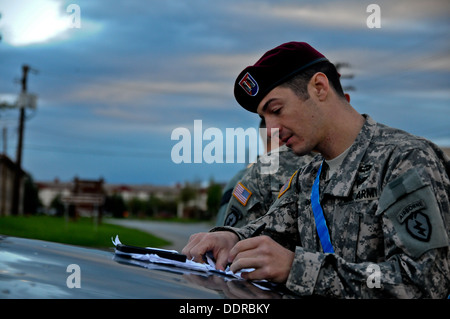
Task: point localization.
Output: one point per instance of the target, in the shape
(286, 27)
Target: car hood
(32, 268)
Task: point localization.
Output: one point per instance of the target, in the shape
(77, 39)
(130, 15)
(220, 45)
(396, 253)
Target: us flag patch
(241, 193)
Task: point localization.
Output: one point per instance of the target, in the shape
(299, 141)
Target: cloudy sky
(112, 90)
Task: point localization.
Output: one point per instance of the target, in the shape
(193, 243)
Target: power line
(96, 152)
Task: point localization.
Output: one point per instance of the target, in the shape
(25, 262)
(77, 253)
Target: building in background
(188, 201)
(7, 173)
(182, 201)
(86, 199)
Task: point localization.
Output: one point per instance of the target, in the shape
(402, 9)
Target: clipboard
(160, 252)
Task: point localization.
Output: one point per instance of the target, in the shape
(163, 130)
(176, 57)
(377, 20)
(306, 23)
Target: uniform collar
(342, 182)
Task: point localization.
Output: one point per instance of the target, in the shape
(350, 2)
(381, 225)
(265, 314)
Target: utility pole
(3, 172)
(18, 172)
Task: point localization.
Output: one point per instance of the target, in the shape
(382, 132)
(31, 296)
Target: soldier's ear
(320, 86)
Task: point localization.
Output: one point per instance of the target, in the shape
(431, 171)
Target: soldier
(261, 188)
(369, 217)
(223, 215)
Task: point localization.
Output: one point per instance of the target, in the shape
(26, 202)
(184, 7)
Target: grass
(82, 232)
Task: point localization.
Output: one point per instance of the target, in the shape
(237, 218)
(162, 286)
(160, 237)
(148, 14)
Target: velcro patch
(286, 186)
(233, 217)
(241, 193)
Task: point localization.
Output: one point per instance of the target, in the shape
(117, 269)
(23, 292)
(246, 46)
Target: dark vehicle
(39, 269)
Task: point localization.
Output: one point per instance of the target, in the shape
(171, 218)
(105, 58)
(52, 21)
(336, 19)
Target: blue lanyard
(321, 225)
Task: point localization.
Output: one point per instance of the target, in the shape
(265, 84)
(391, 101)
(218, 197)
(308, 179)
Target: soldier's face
(299, 122)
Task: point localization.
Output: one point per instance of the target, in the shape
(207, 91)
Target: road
(177, 233)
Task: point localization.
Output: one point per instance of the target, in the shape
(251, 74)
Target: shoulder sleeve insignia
(241, 193)
(411, 207)
(286, 186)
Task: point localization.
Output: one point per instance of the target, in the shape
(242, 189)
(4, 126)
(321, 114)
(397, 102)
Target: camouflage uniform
(226, 196)
(262, 187)
(387, 209)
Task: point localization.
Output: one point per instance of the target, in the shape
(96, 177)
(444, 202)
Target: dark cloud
(138, 69)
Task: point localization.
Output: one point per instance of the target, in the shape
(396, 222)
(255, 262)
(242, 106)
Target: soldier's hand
(270, 260)
(219, 243)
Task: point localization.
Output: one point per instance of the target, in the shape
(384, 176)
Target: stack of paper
(188, 264)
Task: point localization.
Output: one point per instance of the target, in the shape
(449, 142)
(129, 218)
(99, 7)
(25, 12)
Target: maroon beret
(272, 69)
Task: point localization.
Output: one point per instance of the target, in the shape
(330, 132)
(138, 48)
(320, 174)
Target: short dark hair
(298, 84)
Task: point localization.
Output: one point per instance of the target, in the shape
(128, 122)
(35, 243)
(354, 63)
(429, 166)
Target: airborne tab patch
(410, 208)
(241, 193)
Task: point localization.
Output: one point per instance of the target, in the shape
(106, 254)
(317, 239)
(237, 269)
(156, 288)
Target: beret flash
(272, 69)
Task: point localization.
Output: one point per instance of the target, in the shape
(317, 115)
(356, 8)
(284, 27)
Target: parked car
(32, 268)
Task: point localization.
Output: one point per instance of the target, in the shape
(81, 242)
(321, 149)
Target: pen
(258, 230)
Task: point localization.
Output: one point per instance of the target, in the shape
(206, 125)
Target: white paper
(188, 264)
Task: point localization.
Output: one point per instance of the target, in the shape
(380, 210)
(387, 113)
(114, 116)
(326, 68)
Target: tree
(31, 202)
(188, 193)
(158, 207)
(214, 193)
(115, 205)
(58, 205)
(137, 206)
